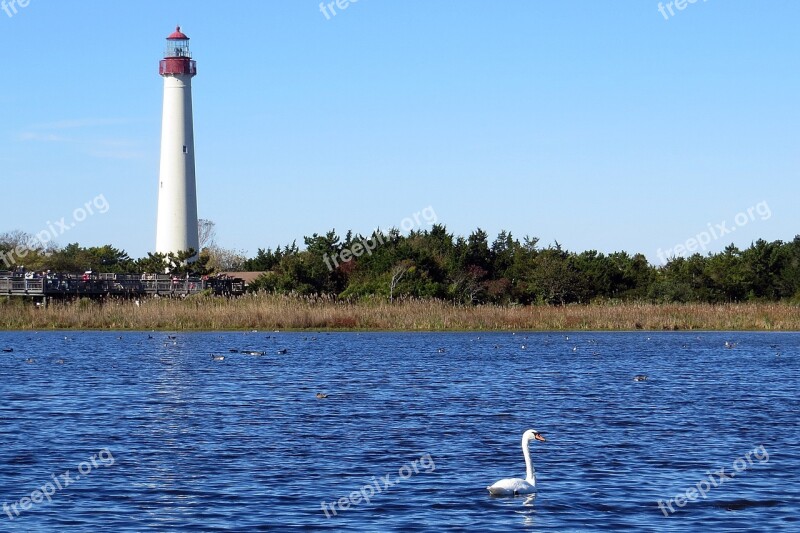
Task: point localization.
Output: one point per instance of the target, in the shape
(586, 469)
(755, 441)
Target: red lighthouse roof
(177, 35)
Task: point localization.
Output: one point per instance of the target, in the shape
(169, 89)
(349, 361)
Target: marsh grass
(270, 312)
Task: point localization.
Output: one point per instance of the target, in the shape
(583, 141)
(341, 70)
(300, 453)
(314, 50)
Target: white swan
(514, 486)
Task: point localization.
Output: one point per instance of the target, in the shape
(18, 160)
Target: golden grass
(270, 312)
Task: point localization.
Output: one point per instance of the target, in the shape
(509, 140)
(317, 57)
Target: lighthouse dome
(177, 35)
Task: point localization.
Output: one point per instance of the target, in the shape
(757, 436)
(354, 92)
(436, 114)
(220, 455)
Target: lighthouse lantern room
(177, 57)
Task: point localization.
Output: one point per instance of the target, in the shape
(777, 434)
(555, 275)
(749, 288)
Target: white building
(176, 228)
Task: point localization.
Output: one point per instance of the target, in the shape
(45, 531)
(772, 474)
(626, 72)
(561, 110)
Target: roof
(177, 35)
(247, 277)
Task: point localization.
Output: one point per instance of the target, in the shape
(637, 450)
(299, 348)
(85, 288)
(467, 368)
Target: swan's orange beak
(539, 436)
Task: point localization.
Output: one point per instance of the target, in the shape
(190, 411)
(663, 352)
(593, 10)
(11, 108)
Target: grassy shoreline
(271, 312)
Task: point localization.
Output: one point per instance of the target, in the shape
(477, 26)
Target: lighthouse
(176, 228)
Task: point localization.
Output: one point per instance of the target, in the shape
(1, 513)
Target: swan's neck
(530, 472)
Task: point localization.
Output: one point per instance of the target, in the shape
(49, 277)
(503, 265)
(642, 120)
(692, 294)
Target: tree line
(473, 270)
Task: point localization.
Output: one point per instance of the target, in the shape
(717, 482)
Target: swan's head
(532, 434)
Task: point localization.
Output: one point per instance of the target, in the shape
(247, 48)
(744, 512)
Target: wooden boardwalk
(93, 285)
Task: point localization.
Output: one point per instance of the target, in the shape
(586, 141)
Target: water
(181, 442)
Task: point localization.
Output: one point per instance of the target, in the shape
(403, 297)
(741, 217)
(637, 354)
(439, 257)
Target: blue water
(184, 443)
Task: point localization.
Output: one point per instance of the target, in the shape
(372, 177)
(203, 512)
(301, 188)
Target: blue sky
(602, 125)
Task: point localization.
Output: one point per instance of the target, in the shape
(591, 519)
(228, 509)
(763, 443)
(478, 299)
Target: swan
(514, 486)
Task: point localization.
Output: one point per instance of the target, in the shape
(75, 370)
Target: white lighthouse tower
(176, 229)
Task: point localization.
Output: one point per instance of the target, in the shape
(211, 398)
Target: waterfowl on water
(321, 396)
(252, 352)
(283, 351)
(514, 486)
(640, 377)
(217, 357)
(8, 350)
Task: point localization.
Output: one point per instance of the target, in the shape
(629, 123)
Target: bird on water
(514, 486)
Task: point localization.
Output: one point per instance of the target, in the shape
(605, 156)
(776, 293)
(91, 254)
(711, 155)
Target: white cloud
(83, 123)
(105, 147)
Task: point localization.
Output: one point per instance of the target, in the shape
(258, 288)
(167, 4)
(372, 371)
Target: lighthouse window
(185, 150)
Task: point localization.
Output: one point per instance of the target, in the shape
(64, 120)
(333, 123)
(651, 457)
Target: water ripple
(244, 444)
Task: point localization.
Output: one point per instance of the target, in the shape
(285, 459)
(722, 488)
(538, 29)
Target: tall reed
(266, 311)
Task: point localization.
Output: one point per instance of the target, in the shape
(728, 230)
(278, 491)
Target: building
(176, 228)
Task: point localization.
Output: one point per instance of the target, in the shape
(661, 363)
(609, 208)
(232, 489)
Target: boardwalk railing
(128, 285)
